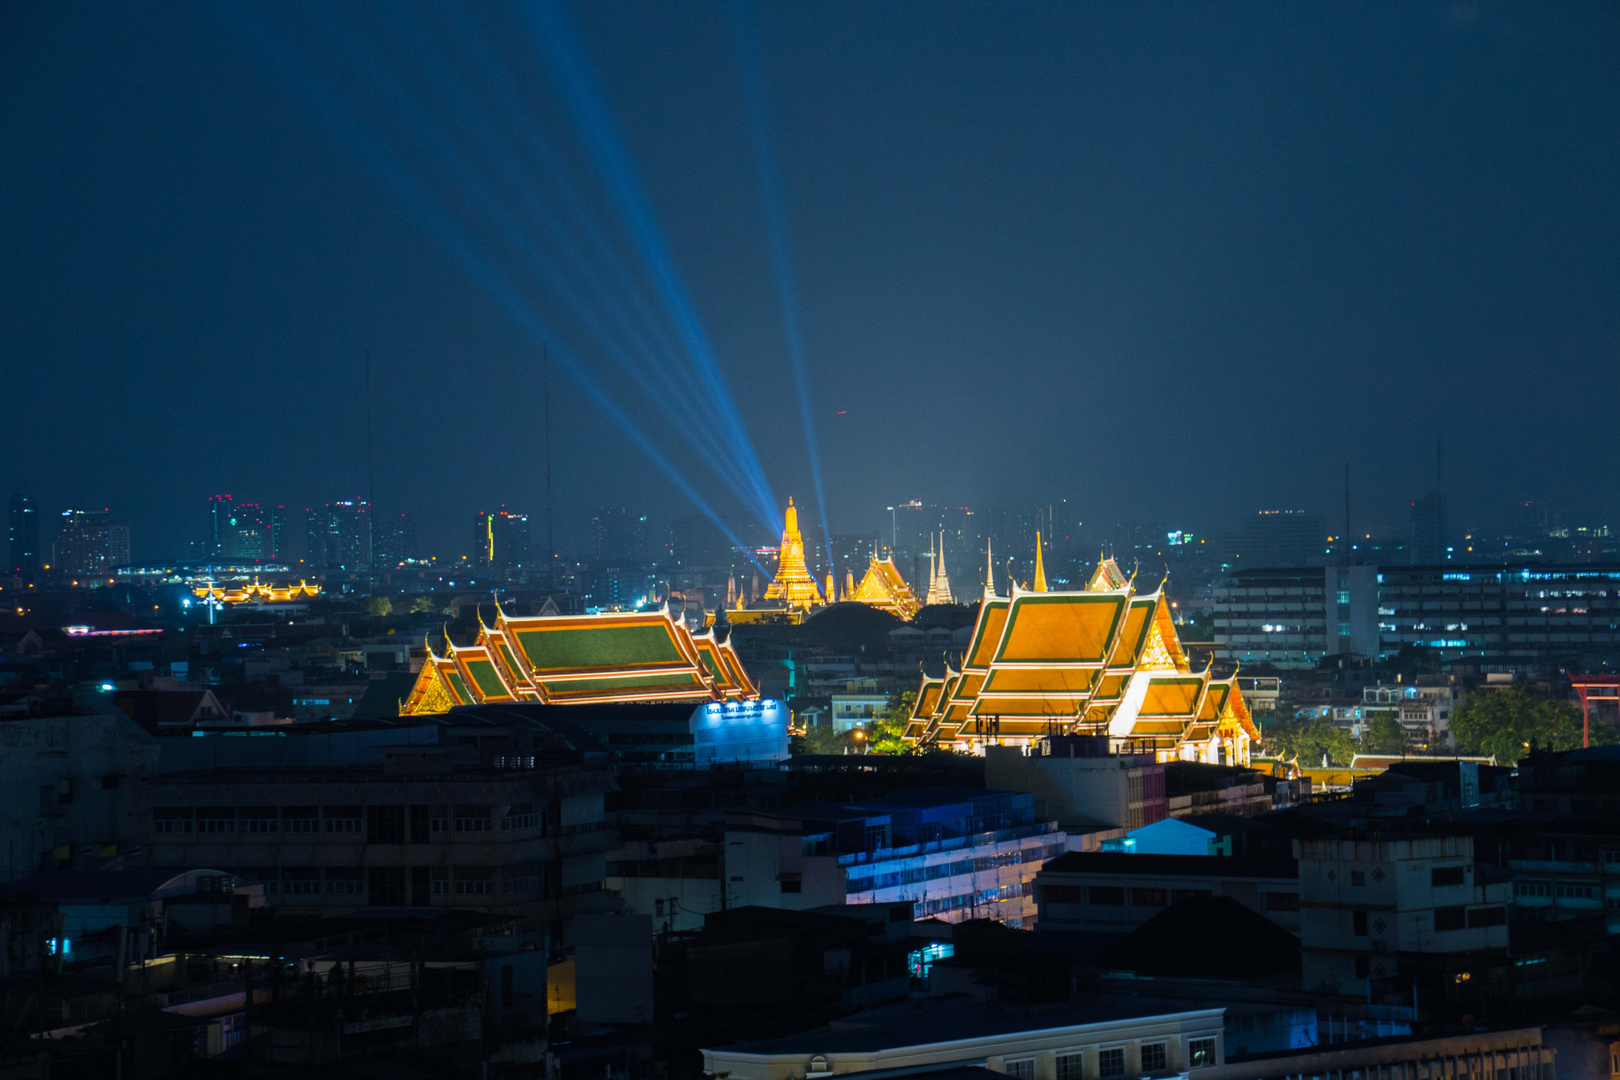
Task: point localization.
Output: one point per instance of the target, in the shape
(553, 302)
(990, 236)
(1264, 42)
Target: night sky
(1169, 262)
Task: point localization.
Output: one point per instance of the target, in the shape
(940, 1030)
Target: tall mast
(551, 536)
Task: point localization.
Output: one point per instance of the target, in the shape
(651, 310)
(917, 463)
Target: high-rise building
(219, 515)
(245, 533)
(23, 533)
(118, 545)
(278, 532)
(84, 544)
(619, 536)
(396, 540)
(1429, 530)
(502, 539)
(340, 535)
(1282, 538)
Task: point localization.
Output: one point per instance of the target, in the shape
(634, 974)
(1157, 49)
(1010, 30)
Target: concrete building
(72, 788)
(1503, 617)
(956, 853)
(1423, 710)
(1080, 784)
(1109, 892)
(1076, 1042)
(1412, 926)
(850, 711)
(1292, 618)
(415, 831)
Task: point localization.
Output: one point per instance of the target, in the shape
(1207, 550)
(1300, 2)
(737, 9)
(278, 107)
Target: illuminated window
(1201, 1053)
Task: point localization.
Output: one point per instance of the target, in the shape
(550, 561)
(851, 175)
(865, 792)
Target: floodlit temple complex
(794, 586)
(257, 593)
(581, 659)
(882, 587)
(1102, 660)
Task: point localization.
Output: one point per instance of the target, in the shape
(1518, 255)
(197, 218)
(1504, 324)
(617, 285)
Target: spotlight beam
(746, 33)
(513, 231)
(398, 183)
(565, 51)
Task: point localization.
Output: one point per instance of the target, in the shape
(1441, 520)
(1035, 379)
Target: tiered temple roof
(1103, 660)
(581, 659)
(884, 588)
(939, 582)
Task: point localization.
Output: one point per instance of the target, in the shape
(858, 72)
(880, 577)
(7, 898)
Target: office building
(396, 540)
(620, 536)
(1527, 616)
(958, 853)
(1293, 617)
(501, 539)
(1281, 538)
(340, 535)
(84, 546)
(22, 533)
(1429, 543)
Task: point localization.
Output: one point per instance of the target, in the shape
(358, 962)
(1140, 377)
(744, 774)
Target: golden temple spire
(1040, 566)
(832, 597)
(793, 585)
(989, 569)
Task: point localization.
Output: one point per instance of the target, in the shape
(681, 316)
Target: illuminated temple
(882, 587)
(581, 660)
(794, 586)
(1102, 660)
(257, 593)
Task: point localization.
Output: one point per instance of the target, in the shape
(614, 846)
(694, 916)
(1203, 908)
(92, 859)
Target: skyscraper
(340, 535)
(84, 544)
(396, 540)
(23, 534)
(502, 539)
(219, 514)
(1429, 529)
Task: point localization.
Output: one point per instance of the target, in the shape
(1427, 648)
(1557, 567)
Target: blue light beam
(414, 200)
(566, 54)
(746, 31)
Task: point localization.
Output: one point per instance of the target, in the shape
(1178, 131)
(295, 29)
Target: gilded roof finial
(989, 569)
(1040, 566)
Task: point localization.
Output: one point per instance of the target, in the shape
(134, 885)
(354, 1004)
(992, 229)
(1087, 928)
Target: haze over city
(1170, 264)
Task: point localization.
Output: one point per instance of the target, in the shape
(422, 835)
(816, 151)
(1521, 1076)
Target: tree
(1385, 735)
(884, 733)
(1305, 741)
(423, 605)
(1507, 722)
(379, 607)
(820, 739)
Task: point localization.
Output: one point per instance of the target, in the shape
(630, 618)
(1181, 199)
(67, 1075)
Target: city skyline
(1249, 271)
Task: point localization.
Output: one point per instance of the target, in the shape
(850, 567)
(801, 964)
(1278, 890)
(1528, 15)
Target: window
(1358, 877)
(1023, 1069)
(1111, 1062)
(472, 819)
(1071, 1066)
(1358, 923)
(475, 880)
(1362, 967)
(171, 819)
(1106, 894)
(1062, 894)
(389, 886)
(1449, 918)
(1282, 901)
(1154, 1057)
(793, 885)
(300, 880)
(110, 781)
(1487, 916)
(1445, 875)
(1192, 894)
(216, 819)
(1150, 897)
(1533, 888)
(1576, 892)
(345, 819)
(520, 816)
(385, 824)
(346, 882)
(300, 819)
(259, 819)
(1201, 1053)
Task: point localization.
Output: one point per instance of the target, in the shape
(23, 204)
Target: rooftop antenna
(371, 479)
(551, 536)
(1346, 544)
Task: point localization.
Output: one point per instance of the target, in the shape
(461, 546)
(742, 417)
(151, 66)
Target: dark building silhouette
(23, 534)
